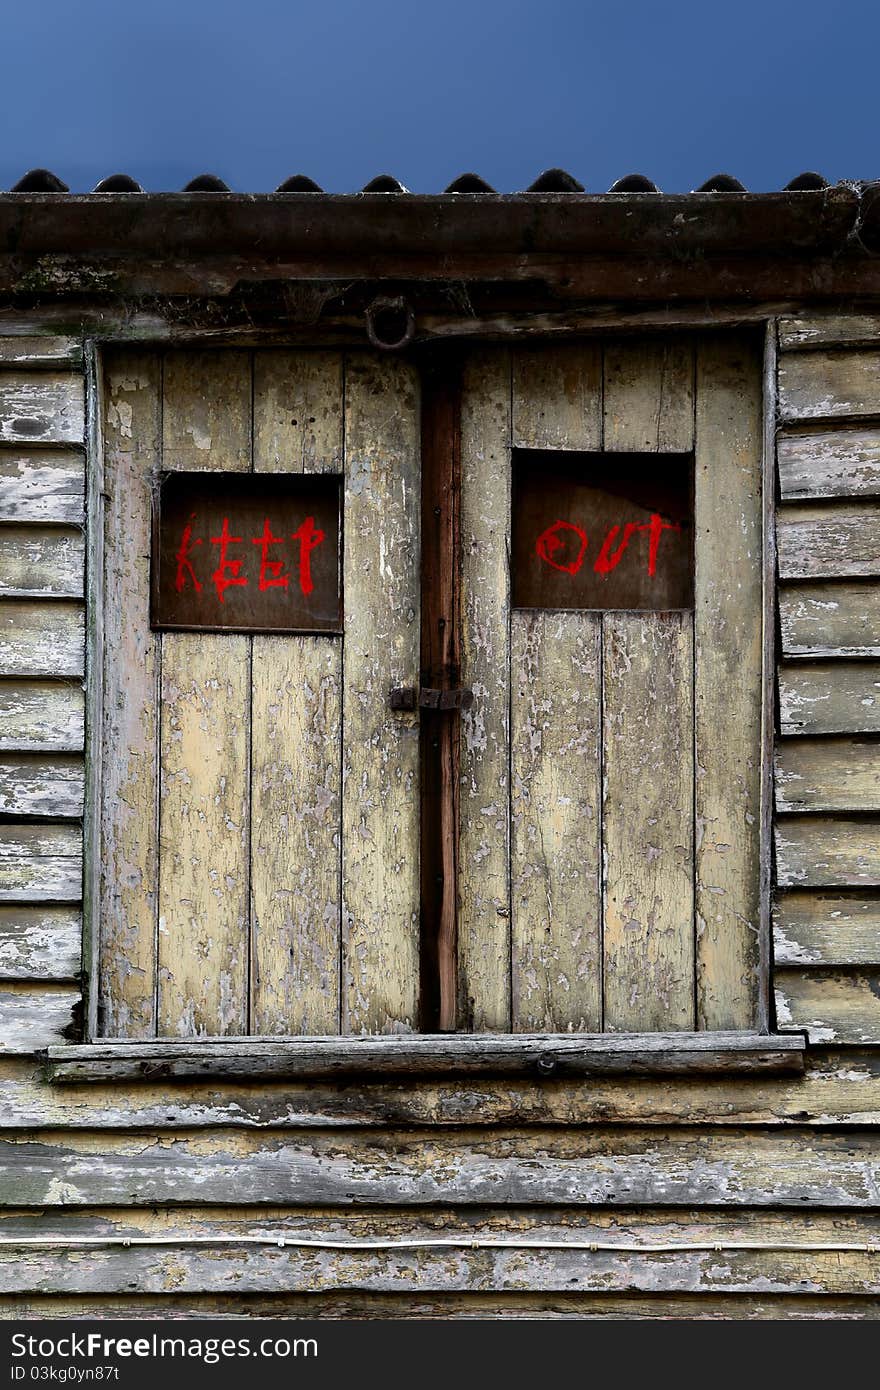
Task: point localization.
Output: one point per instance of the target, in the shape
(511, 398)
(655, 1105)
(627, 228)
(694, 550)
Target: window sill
(543, 1056)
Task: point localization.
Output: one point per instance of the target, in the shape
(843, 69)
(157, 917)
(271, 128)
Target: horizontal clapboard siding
(826, 913)
(840, 619)
(42, 662)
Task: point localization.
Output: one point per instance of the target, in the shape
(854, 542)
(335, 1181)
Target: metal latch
(408, 697)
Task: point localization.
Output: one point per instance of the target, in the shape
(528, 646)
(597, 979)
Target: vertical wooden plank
(380, 803)
(556, 395)
(205, 740)
(130, 758)
(649, 396)
(440, 738)
(484, 844)
(647, 753)
(555, 833)
(728, 682)
(296, 732)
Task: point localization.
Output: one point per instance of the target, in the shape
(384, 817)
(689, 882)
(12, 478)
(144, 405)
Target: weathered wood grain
(297, 412)
(296, 735)
(40, 863)
(728, 681)
(839, 542)
(833, 1007)
(41, 638)
(613, 1167)
(39, 486)
(295, 846)
(556, 820)
(40, 943)
(834, 1089)
(36, 563)
(828, 330)
(557, 393)
(840, 697)
(203, 936)
(827, 852)
(835, 463)
(207, 419)
(26, 351)
(34, 785)
(836, 620)
(484, 844)
(647, 819)
(130, 720)
(380, 774)
(823, 775)
(521, 1253)
(648, 395)
(41, 716)
(828, 385)
(41, 408)
(822, 928)
(35, 1018)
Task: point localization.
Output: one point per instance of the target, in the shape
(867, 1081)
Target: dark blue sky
(255, 90)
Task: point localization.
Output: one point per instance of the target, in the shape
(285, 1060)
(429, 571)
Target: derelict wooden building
(440, 787)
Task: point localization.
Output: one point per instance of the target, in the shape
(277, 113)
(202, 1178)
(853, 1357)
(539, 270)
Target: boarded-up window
(261, 798)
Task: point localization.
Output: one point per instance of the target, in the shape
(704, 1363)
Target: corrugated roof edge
(549, 181)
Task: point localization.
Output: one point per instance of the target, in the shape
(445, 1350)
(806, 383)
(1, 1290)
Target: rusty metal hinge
(410, 697)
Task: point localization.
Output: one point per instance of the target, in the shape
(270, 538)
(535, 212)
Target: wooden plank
(838, 542)
(729, 582)
(828, 385)
(827, 852)
(32, 1019)
(484, 846)
(41, 408)
(837, 620)
(440, 669)
(648, 395)
(823, 775)
(460, 1054)
(759, 1257)
(842, 1008)
(822, 928)
(296, 733)
(203, 936)
(835, 463)
(40, 943)
(556, 819)
(129, 735)
(297, 412)
(837, 697)
(380, 799)
(836, 1088)
(647, 820)
(37, 563)
(34, 785)
(40, 863)
(828, 330)
(41, 716)
(556, 397)
(41, 638)
(207, 424)
(49, 351)
(43, 487)
(295, 818)
(615, 1168)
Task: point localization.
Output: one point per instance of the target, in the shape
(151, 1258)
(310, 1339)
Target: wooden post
(440, 668)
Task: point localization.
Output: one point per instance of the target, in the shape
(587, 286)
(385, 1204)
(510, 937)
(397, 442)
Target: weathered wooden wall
(718, 1197)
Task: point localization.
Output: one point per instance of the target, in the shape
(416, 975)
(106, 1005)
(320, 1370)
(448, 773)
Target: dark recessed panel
(605, 531)
(247, 552)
